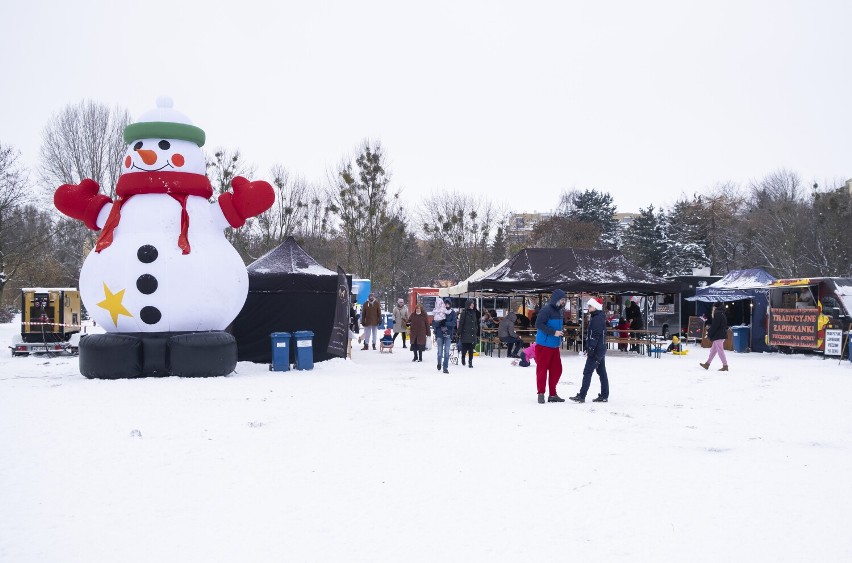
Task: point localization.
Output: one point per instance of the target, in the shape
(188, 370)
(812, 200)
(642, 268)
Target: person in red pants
(548, 340)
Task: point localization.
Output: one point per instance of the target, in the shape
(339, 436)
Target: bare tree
(365, 205)
(222, 168)
(776, 232)
(21, 240)
(721, 212)
(458, 229)
(831, 217)
(84, 140)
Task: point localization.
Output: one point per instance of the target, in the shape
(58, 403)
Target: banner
(338, 343)
(796, 328)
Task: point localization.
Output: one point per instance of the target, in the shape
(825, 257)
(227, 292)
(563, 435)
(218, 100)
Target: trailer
(50, 317)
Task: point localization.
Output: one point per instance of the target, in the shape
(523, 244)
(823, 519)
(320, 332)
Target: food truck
(801, 310)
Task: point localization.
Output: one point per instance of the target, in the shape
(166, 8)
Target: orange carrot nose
(148, 157)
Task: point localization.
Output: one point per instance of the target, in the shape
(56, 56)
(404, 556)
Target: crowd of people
(464, 327)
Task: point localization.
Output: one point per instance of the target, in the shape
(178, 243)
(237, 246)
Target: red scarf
(179, 185)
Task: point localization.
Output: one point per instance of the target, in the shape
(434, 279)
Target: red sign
(793, 327)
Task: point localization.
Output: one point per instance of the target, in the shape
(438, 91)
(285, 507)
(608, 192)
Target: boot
(555, 399)
(724, 368)
(600, 399)
(414, 359)
(470, 364)
(374, 345)
(446, 370)
(366, 347)
(541, 398)
(439, 365)
(420, 355)
(705, 366)
(578, 398)
(462, 360)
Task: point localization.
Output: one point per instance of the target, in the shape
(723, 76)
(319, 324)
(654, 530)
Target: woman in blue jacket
(548, 340)
(595, 354)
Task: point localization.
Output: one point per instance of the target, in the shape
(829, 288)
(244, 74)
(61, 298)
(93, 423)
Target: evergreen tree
(644, 240)
(499, 246)
(564, 232)
(686, 234)
(596, 208)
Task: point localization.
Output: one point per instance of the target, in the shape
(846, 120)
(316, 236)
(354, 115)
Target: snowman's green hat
(164, 122)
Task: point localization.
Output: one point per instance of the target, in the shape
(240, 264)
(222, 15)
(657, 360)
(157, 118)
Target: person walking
(419, 332)
(444, 329)
(595, 354)
(548, 341)
(468, 325)
(717, 333)
(400, 320)
(371, 316)
(507, 335)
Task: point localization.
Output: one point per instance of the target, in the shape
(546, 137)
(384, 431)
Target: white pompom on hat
(594, 303)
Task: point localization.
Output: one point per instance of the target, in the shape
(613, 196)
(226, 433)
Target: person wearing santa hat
(595, 354)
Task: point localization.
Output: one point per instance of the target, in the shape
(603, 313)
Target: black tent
(574, 270)
(288, 291)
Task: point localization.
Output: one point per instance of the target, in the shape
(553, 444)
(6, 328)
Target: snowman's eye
(164, 145)
(137, 146)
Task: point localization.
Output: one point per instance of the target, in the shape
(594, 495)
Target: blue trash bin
(740, 334)
(280, 351)
(304, 342)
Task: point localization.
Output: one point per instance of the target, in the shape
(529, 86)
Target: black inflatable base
(157, 354)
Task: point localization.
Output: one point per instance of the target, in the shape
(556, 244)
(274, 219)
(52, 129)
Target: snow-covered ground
(381, 459)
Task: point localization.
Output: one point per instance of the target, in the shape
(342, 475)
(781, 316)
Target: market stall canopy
(464, 286)
(574, 270)
(736, 285)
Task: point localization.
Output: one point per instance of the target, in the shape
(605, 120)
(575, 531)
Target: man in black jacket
(595, 354)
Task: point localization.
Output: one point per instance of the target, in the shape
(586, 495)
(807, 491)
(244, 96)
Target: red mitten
(248, 200)
(81, 201)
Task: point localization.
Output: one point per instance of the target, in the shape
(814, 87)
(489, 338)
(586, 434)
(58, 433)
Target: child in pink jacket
(527, 355)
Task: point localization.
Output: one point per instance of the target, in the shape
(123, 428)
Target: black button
(146, 284)
(146, 254)
(150, 315)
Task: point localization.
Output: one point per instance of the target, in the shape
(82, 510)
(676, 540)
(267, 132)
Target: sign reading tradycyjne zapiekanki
(796, 328)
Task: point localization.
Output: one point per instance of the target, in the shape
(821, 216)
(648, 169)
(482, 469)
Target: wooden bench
(648, 345)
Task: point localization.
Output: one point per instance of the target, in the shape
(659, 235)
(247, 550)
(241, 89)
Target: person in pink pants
(717, 333)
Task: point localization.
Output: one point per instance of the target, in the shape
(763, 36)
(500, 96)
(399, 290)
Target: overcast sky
(516, 100)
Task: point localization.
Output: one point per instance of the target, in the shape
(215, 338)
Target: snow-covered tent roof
(287, 267)
(575, 270)
(463, 286)
(736, 285)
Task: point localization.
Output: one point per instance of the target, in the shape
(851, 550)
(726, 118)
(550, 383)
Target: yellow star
(113, 304)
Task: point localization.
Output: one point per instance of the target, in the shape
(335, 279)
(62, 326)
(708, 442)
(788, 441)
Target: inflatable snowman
(162, 280)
